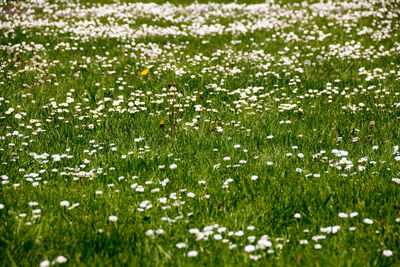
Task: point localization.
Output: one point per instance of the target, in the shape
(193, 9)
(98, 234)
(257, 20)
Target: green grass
(79, 122)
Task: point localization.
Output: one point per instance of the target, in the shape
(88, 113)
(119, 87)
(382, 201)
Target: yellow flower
(144, 72)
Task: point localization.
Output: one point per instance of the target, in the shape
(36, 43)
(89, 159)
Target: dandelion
(144, 72)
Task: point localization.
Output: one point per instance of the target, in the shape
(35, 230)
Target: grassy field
(199, 134)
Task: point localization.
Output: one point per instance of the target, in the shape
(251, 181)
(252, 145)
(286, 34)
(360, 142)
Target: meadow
(199, 133)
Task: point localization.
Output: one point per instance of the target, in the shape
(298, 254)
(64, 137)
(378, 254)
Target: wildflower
(317, 246)
(217, 237)
(387, 253)
(249, 248)
(144, 72)
(239, 233)
(112, 218)
(192, 253)
(254, 257)
(64, 203)
(353, 214)
(61, 259)
(368, 221)
(45, 263)
(150, 232)
(173, 166)
(181, 245)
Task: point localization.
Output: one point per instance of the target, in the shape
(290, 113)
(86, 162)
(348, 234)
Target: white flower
(192, 253)
(239, 233)
(343, 215)
(45, 263)
(387, 253)
(303, 242)
(368, 221)
(112, 218)
(173, 166)
(297, 215)
(255, 257)
(249, 248)
(160, 231)
(317, 246)
(194, 231)
(1, 206)
(61, 259)
(162, 200)
(64, 203)
(190, 194)
(254, 177)
(150, 232)
(217, 237)
(353, 214)
(181, 245)
(264, 243)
